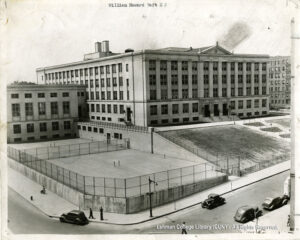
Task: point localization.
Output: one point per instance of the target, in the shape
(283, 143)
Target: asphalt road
(24, 218)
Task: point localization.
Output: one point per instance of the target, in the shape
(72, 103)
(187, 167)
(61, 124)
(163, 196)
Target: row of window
(107, 95)
(43, 127)
(99, 130)
(86, 71)
(279, 62)
(184, 79)
(39, 95)
(43, 137)
(276, 101)
(16, 111)
(194, 107)
(106, 108)
(215, 65)
(106, 82)
(188, 119)
(215, 93)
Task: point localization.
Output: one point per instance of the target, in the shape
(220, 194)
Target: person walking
(183, 229)
(91, 214)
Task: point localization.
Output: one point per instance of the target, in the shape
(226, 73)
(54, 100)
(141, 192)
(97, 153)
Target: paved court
(132, 163)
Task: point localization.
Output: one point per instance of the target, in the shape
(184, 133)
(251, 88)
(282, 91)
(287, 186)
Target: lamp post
(150, 195)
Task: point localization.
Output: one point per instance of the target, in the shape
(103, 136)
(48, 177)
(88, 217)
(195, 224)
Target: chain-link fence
(59, 151)
(115, 187)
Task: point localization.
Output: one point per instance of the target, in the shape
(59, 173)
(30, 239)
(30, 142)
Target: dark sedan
(75, 217)
(275, 202)
(247, 213)
(213, 200)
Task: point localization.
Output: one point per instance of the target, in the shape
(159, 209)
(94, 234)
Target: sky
(45, 33)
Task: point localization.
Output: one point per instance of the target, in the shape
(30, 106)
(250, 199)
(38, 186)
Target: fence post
(83, 184)
(140, 185)
(94, 186)
(125, 187)
(193, 173)
(104, 187)
(98, 146)
(89, 148)
(69, 150)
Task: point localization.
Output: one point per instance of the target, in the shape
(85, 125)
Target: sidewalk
(53, 205)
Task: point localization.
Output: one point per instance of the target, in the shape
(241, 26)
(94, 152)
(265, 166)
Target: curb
(165, 214)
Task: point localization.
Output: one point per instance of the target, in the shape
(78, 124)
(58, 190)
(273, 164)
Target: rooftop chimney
(97, 46)
(105, 46)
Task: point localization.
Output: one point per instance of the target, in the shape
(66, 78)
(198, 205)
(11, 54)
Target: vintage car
(247, 213)
(275, 202)
(213, 200)
(75, 217)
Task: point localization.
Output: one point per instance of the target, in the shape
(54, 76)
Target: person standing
(91, 214)
(183, 229)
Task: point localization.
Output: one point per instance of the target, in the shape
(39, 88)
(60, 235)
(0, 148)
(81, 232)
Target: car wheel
(61, 220)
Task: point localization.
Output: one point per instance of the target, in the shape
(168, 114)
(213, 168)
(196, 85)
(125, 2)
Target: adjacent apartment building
(167, 86)
(280, 82)
(41, 112)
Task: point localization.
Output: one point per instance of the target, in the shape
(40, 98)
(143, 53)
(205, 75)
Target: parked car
(275, 202)
(247, 213)
(75, 217)
(213, 200)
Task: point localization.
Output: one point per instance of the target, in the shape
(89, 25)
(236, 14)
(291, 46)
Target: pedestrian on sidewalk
(101, 213)
(91, 214)
(31, 198)
(288, 221)
(183, 228)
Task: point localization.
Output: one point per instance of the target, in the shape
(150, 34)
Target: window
(66, 107)
(206, 66)
(248, 66)
(28, 109)
(92, 95)
(97, 95)
(43, 127)
(108, 82)
(114, 68)
(194, 93)
(28, 95)
(65, 94)
(232, 92)
(121, 95)
(194, 79)
(15, 110)
(152, 65)
(232, 78)
(206, 79)
(232, 104)
(14, 95)
(102, 82)
(256, 91)
(240, 66)
(103, 108)
(215, 92)
(174, 80)
(55, 126)
(120, 67)
(127, 82)
(215, 79)
(108, 108)
(41, 95)
(185, 93)
(121, 109)
(256, 103)
(195, 107)
(164, 109)
(175, 108)
(174, 65)
(114, 81)
(194, 66)
(163, 80)
(248, 78)
(152, 94)
(248, 91)
(224, 92)
(184, 66)
(128, 96)
(163, 65)
(120, 81)
(264, 103)
(185, 108)
(174, 93)
(127, 67)
(264, 66)
(102, 95)
(42, 108)
(232, 66)
(108, 95)
(53, 94)
(17, 128)
(30, 127)
(153, 110)
(264, 78)
(264, 90)
(256, 67)
(240, 91)
(164, 94)
(115, 95)
(206, 92)
(249, 104)
(224, 66)
(215, 66)
(54, 108)
(224, 79)
(240, 79)
(241, 105)
(67, 125)
(97, 83)
(152, 79)
(256, 79)
(115, 108)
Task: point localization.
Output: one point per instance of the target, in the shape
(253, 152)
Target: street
(24, 218)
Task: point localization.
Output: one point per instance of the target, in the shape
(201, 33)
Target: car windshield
(268, 200)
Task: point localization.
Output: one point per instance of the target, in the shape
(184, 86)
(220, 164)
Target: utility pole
(150, 195)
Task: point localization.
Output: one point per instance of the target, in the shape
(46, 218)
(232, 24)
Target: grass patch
(255, 124)
(287, 135)
(286, 122)
(271, 129)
